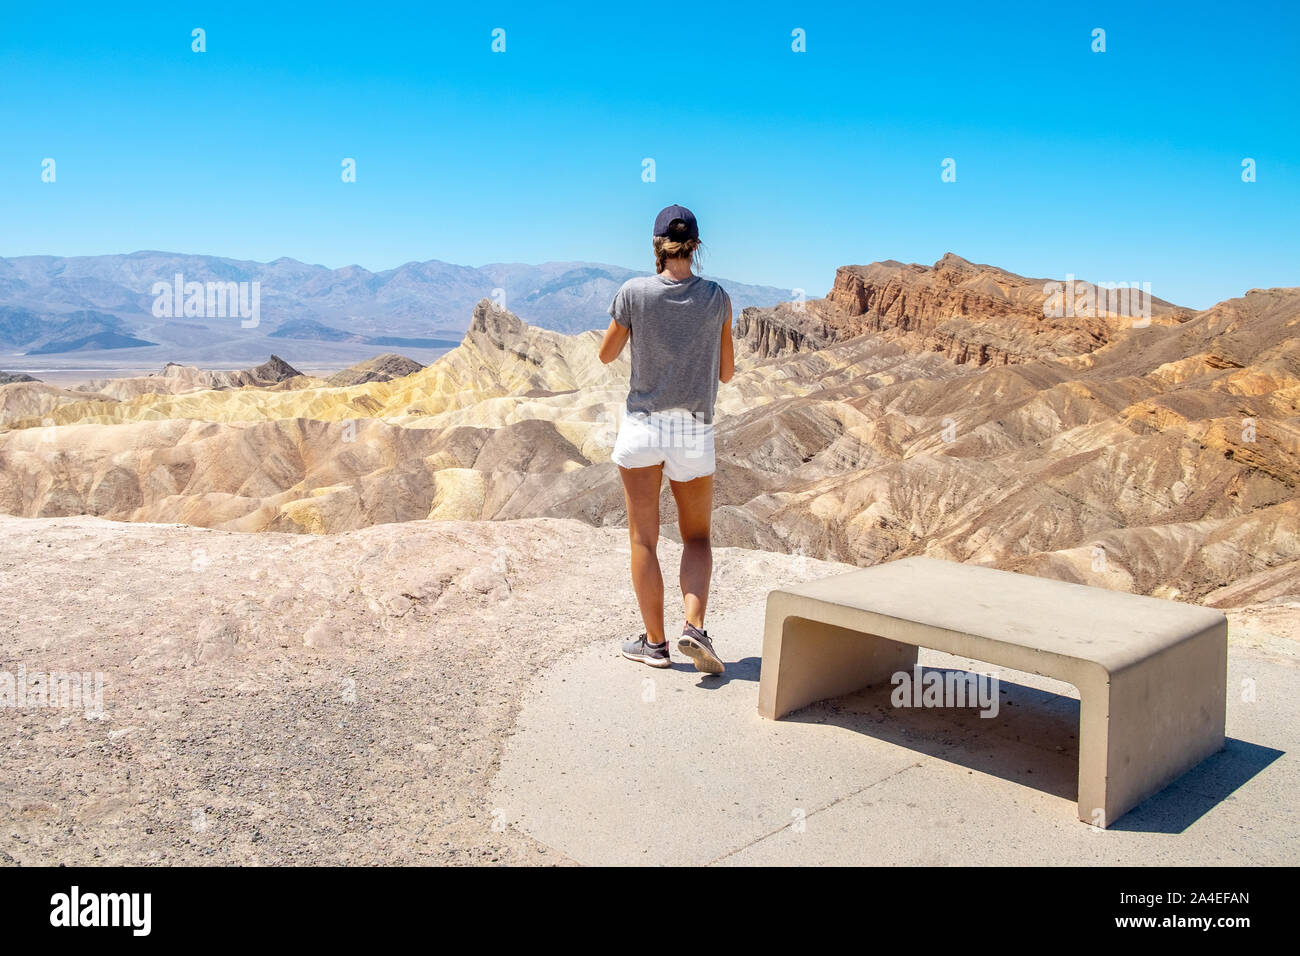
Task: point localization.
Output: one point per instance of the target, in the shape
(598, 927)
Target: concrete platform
(617, 763)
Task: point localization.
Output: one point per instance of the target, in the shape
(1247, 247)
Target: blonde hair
(666, 248)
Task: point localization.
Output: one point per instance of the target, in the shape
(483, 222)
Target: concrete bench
(1151, 674)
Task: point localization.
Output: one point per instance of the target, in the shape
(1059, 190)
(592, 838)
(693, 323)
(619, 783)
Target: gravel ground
(293, 699)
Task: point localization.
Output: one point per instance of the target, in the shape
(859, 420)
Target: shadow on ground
(744, 670)
(1031, 740)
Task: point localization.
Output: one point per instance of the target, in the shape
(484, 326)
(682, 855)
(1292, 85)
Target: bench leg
(806, 661)
(1143, 727)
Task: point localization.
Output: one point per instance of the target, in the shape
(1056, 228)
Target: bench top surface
(1112, 628)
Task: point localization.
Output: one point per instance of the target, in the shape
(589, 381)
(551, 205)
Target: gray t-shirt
(676, 340)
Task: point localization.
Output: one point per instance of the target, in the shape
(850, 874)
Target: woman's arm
(727, 359)
(726, 354)
(612, 344)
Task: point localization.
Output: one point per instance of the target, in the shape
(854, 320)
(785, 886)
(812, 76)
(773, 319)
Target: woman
(680, 327)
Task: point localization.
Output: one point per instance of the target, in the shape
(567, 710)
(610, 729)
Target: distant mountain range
(38, 333)
(90, 304)
(309, 330)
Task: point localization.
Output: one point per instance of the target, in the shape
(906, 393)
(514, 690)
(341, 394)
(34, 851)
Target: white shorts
(679, 440)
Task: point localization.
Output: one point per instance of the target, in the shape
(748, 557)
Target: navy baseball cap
(670, 214)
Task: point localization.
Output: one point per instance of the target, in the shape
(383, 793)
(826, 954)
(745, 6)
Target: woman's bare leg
(641, 494)
(694, 511)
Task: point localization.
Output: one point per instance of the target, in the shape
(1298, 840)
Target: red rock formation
(975, 314)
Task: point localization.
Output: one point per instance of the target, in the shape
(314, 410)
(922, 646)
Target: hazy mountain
(309, 330)
(84, 330)
(419, 305)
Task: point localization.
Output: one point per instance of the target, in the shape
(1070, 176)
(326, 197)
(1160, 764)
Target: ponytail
(668, 248)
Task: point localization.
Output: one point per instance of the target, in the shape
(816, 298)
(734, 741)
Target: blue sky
(1115, 166)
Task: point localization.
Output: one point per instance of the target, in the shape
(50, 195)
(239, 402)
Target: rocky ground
(282, 698)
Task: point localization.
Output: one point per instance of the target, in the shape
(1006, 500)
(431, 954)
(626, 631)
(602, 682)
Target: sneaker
(639, 649)
(695, 644)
